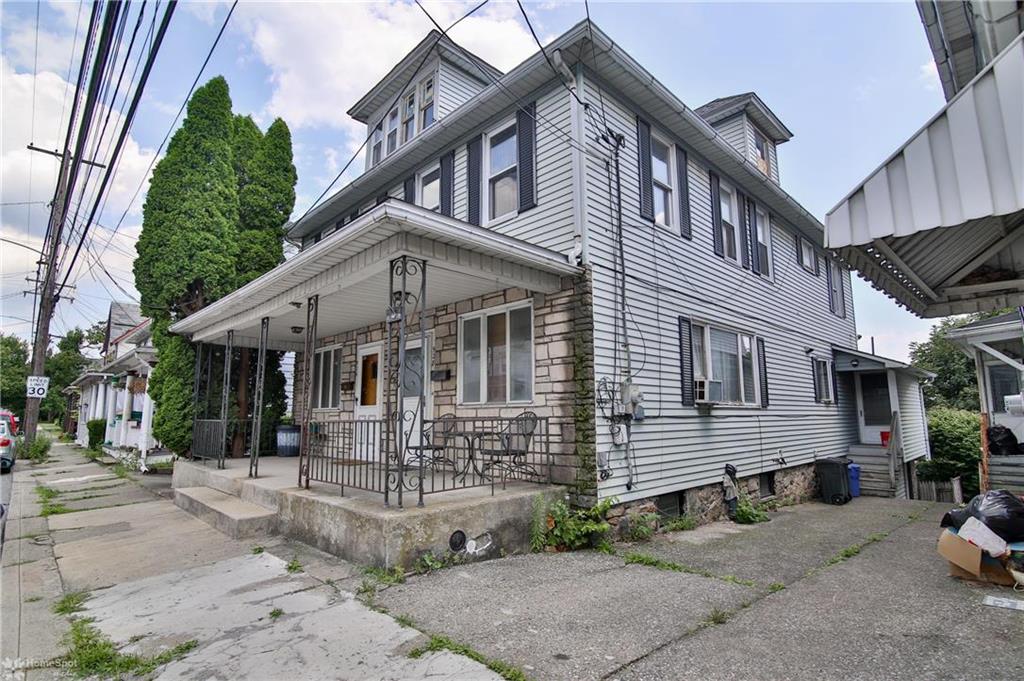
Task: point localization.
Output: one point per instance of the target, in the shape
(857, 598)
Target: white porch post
(145, 440)
(126, 411)
(110, 434)
(93, 400)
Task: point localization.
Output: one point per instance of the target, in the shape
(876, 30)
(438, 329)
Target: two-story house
(564, 273)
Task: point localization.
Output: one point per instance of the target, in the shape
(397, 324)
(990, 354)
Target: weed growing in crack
(46, 494)
(717, 616)
(636, 558)
(275, 613)
(91, 654)
(405, 621)
(257, 550)
(775, 587)
(293, 565)
(33, 599)
(438, 643)
(71, 603)
(386, 577)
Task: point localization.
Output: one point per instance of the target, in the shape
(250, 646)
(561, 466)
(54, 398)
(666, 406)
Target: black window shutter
(684, 193)
(835, 384)
(686, 360)
(381, 198)
(762, 367)
(741, 227)
(828, 288)
(473, 158)
(526, 140)
(814, 379)
(817, 264)
(410, 189)
(755, 248)
(643, 136)
(447, 182)
(716, 215)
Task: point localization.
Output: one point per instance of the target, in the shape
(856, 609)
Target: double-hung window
(836, 297)
(762, 152)
(823, 389)
(409, 117)
(808, 257)
(763, 237)
(427, 111)
(662, 165)
(724, 365)
(392, 139)
(377, 146)
(727, 199)
(496, 356)
(502, 172)
(326, 378)
(430, 189)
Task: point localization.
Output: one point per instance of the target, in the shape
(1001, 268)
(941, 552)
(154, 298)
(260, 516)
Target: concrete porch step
(236, 518)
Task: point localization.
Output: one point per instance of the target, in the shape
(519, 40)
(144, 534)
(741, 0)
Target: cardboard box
(967, 561)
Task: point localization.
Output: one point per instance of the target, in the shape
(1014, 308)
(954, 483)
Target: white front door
(415, 371)
(873, 406)
(366, 441)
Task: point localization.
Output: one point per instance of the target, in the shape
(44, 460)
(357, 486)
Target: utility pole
(47, 296)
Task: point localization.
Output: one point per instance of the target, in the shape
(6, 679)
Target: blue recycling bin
(854, 473)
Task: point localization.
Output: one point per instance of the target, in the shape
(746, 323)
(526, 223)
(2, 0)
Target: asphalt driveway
(819, 592)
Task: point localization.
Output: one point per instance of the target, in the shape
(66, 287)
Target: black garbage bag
(1002, 441)
(1001, 511)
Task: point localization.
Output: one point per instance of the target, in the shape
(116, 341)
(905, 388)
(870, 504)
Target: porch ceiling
(349, 271)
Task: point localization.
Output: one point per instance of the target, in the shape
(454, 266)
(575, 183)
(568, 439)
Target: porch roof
(349, 271)
(848, 360)
(937, 226)
(138, 358)
(1004, 327)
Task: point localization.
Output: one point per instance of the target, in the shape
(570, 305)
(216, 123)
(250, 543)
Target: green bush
(36, 452)
(569, 529)
(97, 430)
(955, 438)
(747, 513)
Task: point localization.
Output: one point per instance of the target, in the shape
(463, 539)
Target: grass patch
(50, 508)
(293, 566)
(120, 470)
(33, 599)
(46, 493)
(683, 523)
(386, 577)
(275, 613)
(855, 549)
(717, 616)
(439, 643)
(636, 558)
(775, 587)
(71, 603)
(257, 550)
(90, 653)
(405, 621)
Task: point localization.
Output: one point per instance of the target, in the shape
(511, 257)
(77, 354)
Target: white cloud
(928, 76)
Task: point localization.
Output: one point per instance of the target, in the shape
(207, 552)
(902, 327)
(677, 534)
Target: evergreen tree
(188, 248)
(13, 372)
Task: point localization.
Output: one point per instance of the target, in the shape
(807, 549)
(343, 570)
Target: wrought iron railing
(452, 453)
(208, 440)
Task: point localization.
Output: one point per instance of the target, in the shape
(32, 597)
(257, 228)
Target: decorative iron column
(312, 315)
(195, 395)
(225, 390)
(257, 415)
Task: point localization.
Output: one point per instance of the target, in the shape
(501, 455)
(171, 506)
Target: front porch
(476, 521)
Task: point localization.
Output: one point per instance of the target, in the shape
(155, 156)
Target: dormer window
(392, 131)
(427, 103)
(409, 118)
(377, 146)
(761, 151)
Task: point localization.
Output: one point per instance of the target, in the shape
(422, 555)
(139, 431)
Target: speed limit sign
(36, 386)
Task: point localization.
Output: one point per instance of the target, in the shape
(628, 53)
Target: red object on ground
(885, 438)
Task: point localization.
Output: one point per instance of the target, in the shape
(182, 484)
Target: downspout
(581, 237)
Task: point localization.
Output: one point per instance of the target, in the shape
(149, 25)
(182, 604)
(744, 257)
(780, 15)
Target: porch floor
(358, 526)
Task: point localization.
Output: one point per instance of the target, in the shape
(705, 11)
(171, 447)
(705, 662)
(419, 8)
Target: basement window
(766, 484)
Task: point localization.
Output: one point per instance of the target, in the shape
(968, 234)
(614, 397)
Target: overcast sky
(852, 81)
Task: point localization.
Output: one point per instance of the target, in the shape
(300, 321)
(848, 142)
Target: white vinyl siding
(912, 417)
(734, 131)
(455, 86)
(676, 447)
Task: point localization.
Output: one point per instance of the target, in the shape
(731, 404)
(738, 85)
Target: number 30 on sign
(36, 386)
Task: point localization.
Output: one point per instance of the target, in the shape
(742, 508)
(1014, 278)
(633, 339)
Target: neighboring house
(938, 225)
(597, 254)
(114, 388)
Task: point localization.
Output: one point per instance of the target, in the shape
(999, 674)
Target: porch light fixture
(855, 363)
(297, 329)
(296, 305)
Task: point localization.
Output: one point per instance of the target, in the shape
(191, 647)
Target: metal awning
(349, 271)
(848, 360)
(938, 226)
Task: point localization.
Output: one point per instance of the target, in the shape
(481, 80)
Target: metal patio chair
(507, 449)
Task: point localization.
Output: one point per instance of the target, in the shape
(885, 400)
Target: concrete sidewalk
(156, 577)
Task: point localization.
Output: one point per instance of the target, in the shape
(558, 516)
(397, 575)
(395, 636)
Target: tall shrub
(955, 438)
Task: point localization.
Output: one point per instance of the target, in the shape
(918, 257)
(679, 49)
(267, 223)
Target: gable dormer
(750, 127)
(430, 82)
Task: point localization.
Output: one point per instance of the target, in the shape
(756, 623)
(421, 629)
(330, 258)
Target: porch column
(312, 315)
(225, 389)
(257, 415)
(979, 367)
(195, 394)
(126, 409)
(145, 440)
(110, 434)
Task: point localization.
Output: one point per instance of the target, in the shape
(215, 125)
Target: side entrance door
(366, 439)
(873, 406)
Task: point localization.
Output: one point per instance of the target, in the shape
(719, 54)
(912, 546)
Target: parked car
(6, 447)
(12, 420)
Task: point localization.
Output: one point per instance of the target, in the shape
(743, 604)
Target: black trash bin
(835, 480)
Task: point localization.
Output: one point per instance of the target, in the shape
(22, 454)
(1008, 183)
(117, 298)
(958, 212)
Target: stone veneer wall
(556, 319)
